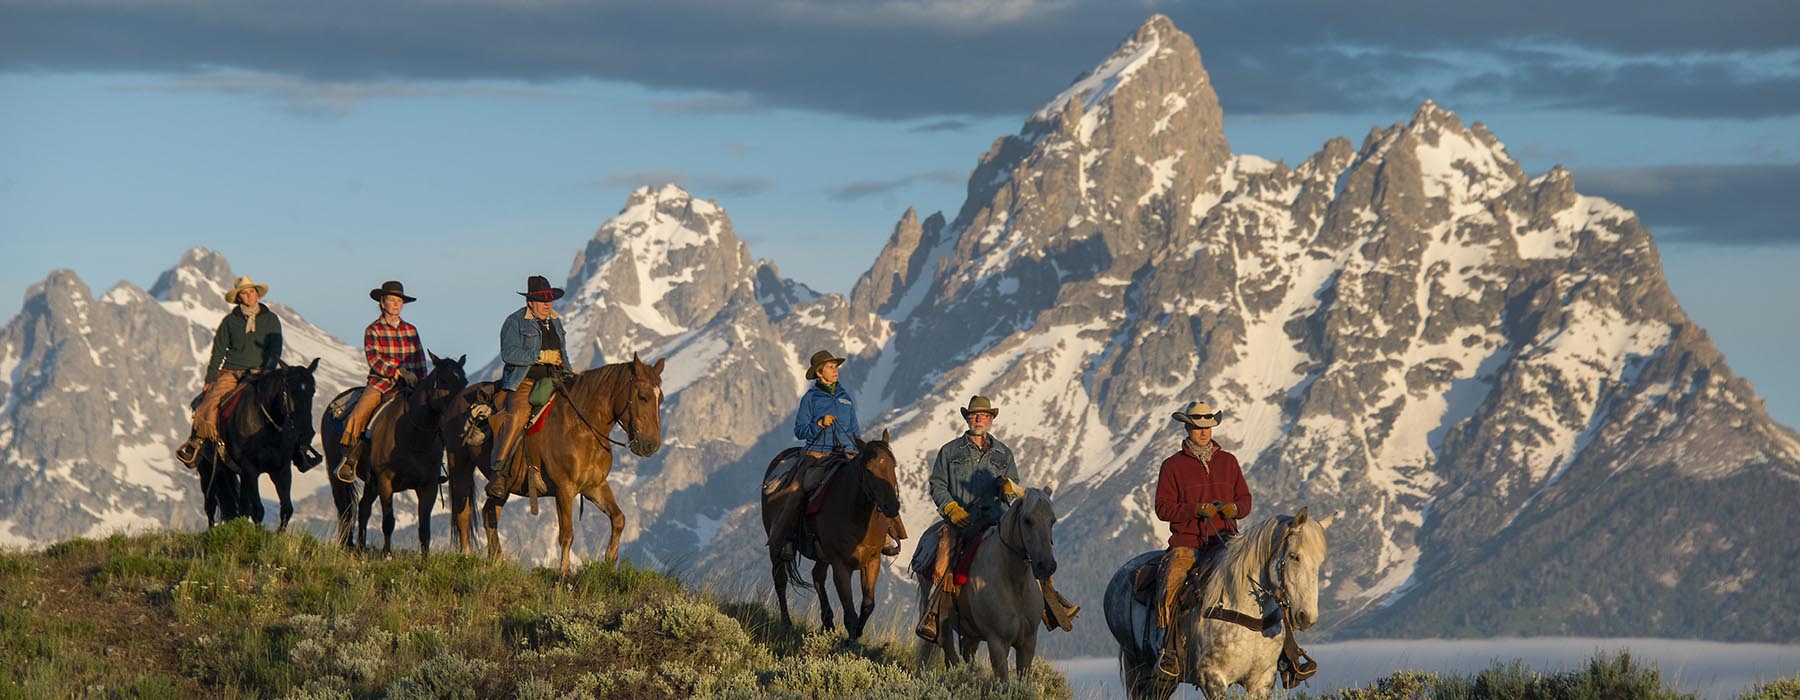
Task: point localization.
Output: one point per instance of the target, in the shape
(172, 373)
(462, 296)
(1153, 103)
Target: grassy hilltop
(240, 612)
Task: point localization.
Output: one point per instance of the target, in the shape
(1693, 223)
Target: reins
(603, 438)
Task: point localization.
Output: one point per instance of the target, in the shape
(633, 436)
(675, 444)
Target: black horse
(268, 431)
(402, 452)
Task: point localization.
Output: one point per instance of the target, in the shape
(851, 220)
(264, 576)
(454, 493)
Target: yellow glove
(1010, 489)
(1205, 510)
(827, 420)
(1229, 510)
(956, 514)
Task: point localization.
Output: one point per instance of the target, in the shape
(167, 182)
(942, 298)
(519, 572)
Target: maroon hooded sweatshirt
(1185, 484)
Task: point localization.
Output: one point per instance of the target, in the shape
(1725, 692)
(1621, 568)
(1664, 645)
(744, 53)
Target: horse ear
(659, 365)
(461, 360)
(1326, 521)
(884, 435)
(434, 358)
(1300, 518)
(314, 365)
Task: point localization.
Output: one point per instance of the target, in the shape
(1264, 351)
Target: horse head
(293, 400)
(877, 459)
(446, 380)
(1295, 567)
(642, 413)
(1033, 518)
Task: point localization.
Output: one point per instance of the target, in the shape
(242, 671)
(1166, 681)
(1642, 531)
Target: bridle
(285, 400)
(1295, 665)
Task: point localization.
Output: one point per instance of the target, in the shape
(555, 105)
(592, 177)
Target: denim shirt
(816, 404)
(970, 476)
(520, 340)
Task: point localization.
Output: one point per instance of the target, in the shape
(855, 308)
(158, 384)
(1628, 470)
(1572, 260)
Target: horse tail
(795, 579)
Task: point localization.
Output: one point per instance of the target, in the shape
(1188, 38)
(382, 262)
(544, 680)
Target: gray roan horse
(401, 453)
(1002, 604)
(1277, 559)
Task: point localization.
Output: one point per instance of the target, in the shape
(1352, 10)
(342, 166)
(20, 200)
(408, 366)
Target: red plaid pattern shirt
(390, 348)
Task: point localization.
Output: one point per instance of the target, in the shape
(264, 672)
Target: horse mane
(1229, 572)
(598, 380)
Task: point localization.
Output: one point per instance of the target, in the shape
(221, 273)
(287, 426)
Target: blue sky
(325, 147)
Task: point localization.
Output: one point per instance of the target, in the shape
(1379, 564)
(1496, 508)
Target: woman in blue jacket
(826, 423)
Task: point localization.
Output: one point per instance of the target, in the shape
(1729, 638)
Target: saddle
(926, 553)
(339, 410)
(536, 422)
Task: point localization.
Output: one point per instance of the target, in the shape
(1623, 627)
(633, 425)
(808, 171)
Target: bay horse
(267, 431)
(401, 453)
(1268, 575)
(1001, 603)
(574, 450)
(848, 534)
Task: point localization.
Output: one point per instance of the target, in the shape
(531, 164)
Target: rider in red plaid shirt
(395, 354)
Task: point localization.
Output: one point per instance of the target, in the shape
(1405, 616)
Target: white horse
(1278, 559)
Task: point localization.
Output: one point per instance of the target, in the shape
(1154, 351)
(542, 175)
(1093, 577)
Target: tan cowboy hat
(393, 287)
(980, 404)
(243, 283)
(818, 360)
(1198, 414)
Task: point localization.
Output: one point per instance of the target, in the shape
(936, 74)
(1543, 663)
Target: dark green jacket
(233, 348)
(971, 476)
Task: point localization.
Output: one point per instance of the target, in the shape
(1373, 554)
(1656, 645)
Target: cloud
(708, 104)
(860, 189)
(911, 59)
(1706, 204)
(716, 185)
(317, 98)
(942, 125)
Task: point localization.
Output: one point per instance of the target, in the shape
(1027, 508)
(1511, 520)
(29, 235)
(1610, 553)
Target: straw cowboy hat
(243, 283)
(393, 287)
(538, 288)
(1198, 414)
(818, 360)
(980, 404)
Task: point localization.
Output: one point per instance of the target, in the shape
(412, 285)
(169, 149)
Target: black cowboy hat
(537, 288)
(393, 287)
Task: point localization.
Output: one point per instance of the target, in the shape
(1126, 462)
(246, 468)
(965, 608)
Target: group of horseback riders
(248, 341)
(1200, 489)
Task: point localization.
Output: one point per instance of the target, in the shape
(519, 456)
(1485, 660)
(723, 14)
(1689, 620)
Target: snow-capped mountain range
(1485, 372)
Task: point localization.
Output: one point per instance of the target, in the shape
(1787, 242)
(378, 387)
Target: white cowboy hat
(1198, 414)
(243, 283)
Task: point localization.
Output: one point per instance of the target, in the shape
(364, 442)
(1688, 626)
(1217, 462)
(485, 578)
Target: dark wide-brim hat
(980, 404)
(1198, 414)
(538, 288)
(391, 288)
(818, 360)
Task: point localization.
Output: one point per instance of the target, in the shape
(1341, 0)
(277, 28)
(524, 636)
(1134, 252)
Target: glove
(407, 376)
(1010, 489)
(1229, 510)
(1206, 510)
(956, 514)
(827, 420)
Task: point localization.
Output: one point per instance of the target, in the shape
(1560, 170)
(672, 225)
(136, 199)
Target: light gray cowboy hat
(818, 360)
(1198, 414)
(243, 283)
(393, 288)
(980, 404)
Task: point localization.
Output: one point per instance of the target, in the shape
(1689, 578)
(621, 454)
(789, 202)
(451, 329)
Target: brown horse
(401, 453)
(467, 437)
(848, 534)
(575, 453)
(1002, 603)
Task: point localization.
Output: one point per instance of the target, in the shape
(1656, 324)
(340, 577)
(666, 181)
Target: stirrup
(346, 471)
(893, 547)
(1168, 662)
(188, 452)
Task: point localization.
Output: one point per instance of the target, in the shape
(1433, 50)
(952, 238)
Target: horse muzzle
(645, 448)
(1043, 569)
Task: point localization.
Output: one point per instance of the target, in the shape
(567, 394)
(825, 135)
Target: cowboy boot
(189, 451)
(1058, 611)
(932, 615)
(507, 434)
(346, 471)
(1176, 564)
(1168, 662)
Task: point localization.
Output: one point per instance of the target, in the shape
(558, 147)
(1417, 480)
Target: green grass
(241, 612)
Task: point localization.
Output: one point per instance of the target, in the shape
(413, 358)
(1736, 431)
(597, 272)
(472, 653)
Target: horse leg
(1026, 650)
(343, 496)
(966, 648)
(818, 577)
(490, 520)
(363, 507)
(997, 657)
(779, 571)
(462, 504)
(602, 496)
(250, 497)
(870, 573)
(427, 495)
(565, 523)
(387, 517)
(840, 579)
(283, 479)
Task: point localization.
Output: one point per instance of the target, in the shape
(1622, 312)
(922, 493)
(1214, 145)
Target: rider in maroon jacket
(1201, 494)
